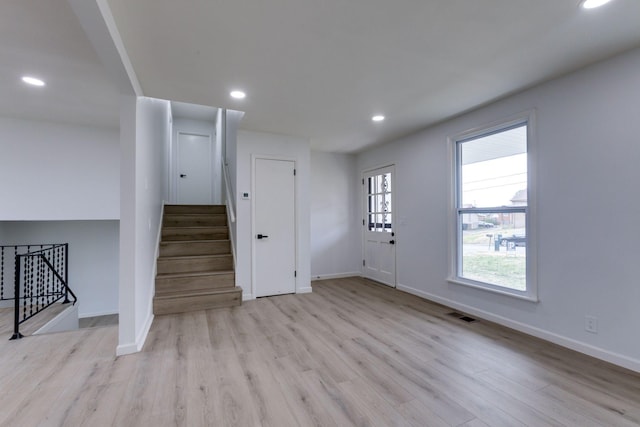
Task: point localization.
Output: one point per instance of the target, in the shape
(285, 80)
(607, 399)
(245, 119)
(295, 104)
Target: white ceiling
(314, 69)
(45, 39)
(321, 69)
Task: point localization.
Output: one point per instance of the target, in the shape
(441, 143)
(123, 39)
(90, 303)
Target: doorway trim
(296, 229)
(395, 217)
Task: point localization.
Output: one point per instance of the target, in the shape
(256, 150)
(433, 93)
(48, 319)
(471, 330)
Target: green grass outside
(496, 268)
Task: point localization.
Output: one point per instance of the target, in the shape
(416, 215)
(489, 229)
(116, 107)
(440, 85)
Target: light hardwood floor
(350, 353)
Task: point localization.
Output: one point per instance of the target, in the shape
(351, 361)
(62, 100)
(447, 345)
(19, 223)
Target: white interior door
(194, 170)
(274, 227)
(379, 235)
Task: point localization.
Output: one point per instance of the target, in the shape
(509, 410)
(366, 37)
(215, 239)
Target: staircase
(195, 265)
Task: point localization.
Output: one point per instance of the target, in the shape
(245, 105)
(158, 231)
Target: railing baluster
(41, 278)
(66, 273)
(16, 311)
(49, 291)
(2, 273)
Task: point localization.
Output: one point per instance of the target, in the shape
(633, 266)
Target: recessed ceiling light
(377, 118)
(32, 81)
(591, 4)
(238, 94)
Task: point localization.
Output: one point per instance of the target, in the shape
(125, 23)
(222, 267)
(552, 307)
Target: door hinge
(362, 181)
(294, 172)
(295, 273)
(363, 222)
(363, 263)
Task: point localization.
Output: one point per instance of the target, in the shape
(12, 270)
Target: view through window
(492, 208)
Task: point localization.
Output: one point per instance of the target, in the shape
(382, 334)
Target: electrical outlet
(591, 324)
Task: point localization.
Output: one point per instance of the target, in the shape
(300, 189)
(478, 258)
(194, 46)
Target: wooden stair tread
(187, 257)
(195, 266)
(197, 292)
(194, 274)
(196, 242)
(197, 229)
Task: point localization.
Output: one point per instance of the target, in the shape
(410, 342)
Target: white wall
(198, 127)
(55, 171)
(93, 257)
(254, 143)
(588, 210)
(145, 131)
(335, 216)
(229, 130)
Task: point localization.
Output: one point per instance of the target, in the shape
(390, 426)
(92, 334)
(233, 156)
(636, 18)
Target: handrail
(40, 278)
(228, 193)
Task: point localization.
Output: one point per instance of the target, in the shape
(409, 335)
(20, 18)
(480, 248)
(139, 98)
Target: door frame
(176, 162)
(364, 211)
(255, 157)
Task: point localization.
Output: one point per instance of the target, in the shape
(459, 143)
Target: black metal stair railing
(40, 278)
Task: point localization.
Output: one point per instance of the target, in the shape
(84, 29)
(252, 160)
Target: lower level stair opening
(195, 264)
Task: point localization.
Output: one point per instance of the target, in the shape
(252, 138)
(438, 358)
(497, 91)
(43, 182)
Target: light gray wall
(255, 143)
(53, 171)
(335, 212)
(146, 128)
(587, 170)
(232, 120)
(93, 257)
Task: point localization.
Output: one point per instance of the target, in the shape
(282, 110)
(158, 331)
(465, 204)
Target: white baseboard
(335, 276)
(598, 353)
(305, 290)
(136, 346)
(124, 349)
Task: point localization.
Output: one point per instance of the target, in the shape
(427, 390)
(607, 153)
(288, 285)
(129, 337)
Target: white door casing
(274, 230)
(194, 169)
(379, 258)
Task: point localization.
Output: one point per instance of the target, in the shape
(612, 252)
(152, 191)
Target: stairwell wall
(61, 185)
(145, 138)
(57, 171)
(229, 137)
(93, 257)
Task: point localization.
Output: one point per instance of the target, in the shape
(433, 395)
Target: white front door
(274, 239)
(194, 185)
(379, 235)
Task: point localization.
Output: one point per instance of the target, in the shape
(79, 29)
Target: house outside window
(493, 245)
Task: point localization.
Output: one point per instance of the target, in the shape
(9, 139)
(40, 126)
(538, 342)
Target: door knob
(262, 236)
(392, 242)
(182, 175)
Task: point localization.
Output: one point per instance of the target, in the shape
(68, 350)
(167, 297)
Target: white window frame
(455, 226)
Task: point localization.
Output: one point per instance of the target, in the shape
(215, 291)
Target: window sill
(495, 290)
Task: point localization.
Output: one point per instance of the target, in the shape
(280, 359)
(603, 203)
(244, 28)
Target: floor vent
(461, 317)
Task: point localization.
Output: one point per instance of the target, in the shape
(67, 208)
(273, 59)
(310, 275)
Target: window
(379, 210)
(492, 236)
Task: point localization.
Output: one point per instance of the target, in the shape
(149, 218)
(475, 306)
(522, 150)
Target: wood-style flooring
(98, 321)
(350, 353)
